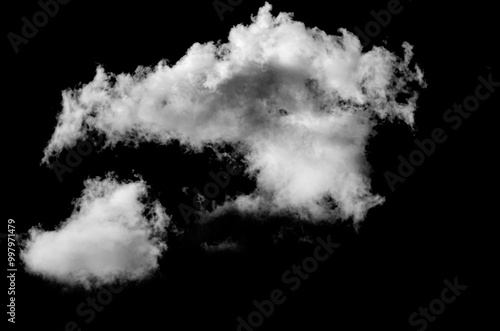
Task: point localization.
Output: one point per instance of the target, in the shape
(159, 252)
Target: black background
(438, 224)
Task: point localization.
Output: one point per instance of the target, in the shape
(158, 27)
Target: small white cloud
(110, 236)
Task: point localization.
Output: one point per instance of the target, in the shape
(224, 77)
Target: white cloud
(110, 236)
(298, 103)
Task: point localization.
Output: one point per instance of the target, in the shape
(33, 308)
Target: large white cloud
(110, 236)
(299, 104)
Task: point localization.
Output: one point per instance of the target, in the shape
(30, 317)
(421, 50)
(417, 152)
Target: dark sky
(436, 225)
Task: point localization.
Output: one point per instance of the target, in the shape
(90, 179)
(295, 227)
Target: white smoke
(110, 236)
(299, 104)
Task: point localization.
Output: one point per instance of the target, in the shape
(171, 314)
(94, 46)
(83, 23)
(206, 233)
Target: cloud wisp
(297, 103)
